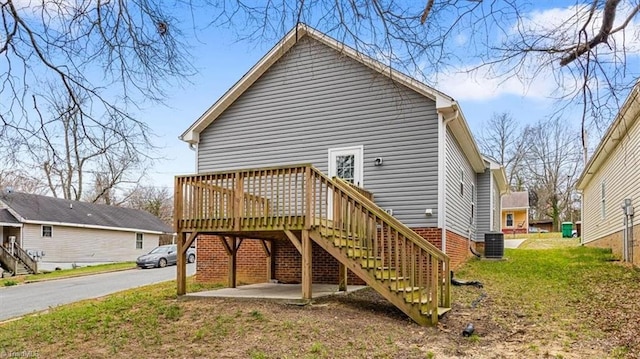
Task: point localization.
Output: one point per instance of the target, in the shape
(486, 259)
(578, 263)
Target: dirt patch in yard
(565, 303)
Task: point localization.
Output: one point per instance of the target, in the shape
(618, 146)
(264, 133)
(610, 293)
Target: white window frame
(462, 182)
(141, 240)
(506, 219)
(42, 233)
(603, 208)
(358, 162)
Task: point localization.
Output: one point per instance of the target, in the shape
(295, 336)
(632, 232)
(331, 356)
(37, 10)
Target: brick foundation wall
(614, 241)
(457, 249)
(213, 267)
(515, 230)
(213, 263)
(287, 265)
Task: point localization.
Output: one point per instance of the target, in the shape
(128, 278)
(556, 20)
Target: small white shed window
(602, 202)
(47, 231)
(139, 238)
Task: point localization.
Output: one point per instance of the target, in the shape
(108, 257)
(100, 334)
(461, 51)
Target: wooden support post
(307, 253)
(182, 266)
(342, 278)
(266, 245)
(231, 244)
(308, 199)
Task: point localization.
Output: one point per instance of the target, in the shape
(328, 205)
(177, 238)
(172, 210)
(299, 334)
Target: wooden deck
(302, 205)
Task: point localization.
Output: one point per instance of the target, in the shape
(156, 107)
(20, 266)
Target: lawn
(66, 273)
(571, 302)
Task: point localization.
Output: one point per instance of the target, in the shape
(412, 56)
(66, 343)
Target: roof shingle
(38, 208)
(516, 200)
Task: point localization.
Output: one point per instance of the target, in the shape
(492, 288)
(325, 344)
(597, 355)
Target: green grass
(561, 291)
(537, 281)
(70, 272)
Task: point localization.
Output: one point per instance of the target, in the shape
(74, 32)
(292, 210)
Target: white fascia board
(6, 224)
(92, 226)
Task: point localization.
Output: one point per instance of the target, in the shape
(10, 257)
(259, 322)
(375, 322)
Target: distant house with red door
(515, 212)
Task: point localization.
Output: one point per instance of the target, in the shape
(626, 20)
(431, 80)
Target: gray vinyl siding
(458, 207)
(86, 245)
(483, 206)
(314, 99)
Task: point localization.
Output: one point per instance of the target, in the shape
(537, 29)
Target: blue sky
(221, 60)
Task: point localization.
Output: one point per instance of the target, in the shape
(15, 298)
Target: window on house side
(473, 202)
(462, 182)
(603, 213)
(509, 219)
(47, 231)
(139, 238)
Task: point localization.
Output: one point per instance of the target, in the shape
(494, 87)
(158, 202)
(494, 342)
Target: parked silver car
(163, 256)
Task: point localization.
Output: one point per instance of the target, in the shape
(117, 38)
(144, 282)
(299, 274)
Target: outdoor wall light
(377, 161)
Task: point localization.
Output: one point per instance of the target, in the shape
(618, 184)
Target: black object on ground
(468, 331)
(474, 283)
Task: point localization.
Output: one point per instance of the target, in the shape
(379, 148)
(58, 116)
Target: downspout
(443, 183)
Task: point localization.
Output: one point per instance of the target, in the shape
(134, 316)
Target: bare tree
(504, 140)
(21, 182)
(104, 56)
(82, 161)
(553, 163)
(155, 200)
(585, 46)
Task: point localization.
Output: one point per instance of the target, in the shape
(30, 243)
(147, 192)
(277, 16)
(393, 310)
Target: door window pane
(509, 219)
(345, 167)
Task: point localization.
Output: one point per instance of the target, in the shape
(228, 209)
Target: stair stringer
(380, 286)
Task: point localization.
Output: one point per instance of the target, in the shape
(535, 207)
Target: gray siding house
(312, 99)
(59, 232)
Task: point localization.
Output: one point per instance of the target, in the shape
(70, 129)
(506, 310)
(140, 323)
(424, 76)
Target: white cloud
(564, 25)
(480, 84)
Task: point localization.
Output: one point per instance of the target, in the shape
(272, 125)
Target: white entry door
(346, 163)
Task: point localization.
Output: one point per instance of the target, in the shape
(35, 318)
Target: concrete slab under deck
(277, 291)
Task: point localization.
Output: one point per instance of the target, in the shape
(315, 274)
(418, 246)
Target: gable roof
(498, 172)
(445, 104)
(624, 121)
(36, 209)
(6, 218)
(516, 200)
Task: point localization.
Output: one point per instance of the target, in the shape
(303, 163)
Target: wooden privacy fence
(300, 197)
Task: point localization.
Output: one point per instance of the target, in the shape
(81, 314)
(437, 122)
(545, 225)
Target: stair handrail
(394, 222)
(25, 258)
(8, 260)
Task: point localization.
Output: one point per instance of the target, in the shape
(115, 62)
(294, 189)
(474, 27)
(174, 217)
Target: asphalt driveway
(28, 298)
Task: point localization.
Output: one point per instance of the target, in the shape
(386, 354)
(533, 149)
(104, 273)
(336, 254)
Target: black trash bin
(494, 245)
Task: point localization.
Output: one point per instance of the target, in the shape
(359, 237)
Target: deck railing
(301, 197)
(8, 261)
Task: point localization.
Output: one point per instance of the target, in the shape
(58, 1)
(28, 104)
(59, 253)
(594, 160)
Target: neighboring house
(515, 212)
(611, 176)
(314, 100)
(61, 232)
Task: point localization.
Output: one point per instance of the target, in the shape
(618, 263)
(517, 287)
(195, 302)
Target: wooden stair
(18, 264)
(273, 202)
(353, 252)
